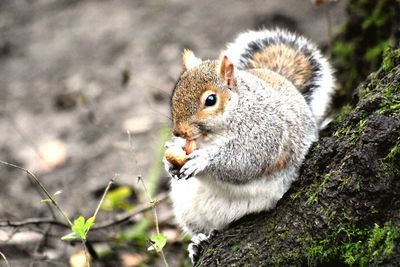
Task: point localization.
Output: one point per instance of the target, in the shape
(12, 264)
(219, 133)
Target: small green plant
(118, 199)
(159, 241)
(80, 229)
(81, 226)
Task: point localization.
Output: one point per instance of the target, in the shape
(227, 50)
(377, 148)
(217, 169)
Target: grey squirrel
(253, 115)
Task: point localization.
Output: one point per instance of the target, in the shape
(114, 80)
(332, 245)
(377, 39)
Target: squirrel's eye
(211, 100)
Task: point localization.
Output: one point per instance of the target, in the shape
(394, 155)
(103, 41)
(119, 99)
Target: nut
(176, 156)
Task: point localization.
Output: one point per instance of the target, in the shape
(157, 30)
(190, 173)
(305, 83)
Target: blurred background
(84, 97)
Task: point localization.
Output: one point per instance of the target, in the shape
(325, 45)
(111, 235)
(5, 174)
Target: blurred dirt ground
(75, 75)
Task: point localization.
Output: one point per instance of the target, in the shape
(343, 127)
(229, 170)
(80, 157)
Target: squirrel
(253, 114)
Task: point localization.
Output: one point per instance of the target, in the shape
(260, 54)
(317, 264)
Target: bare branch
(43, 240)
(104, 195)
(5, 259)
(119, 219)
(127, 216)
(32, 221)
(30, 174)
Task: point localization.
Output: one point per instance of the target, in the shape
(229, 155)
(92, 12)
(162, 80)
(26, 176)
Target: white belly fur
(202, 204)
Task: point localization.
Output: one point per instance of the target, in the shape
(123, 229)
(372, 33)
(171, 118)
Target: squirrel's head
(201, 96)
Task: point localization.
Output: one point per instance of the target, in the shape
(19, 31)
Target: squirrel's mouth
(198, 137)
(194, 142)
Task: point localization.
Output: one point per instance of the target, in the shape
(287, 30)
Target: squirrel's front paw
(171, 169)
(197, 162)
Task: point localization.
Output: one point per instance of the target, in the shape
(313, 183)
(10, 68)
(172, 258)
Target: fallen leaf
(131, 260)
(137, 125)
(78, 259)
(53, 154)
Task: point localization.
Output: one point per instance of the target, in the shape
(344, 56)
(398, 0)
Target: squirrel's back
(292, 56)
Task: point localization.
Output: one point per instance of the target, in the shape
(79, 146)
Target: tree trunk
(345, 207)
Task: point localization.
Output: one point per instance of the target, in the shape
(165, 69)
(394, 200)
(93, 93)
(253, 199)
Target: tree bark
(345, 207)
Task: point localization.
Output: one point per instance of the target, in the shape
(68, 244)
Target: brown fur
(279, 165)
(187, 108)
(286, 61)
(222, 96)
(226, 71)
(270, 77)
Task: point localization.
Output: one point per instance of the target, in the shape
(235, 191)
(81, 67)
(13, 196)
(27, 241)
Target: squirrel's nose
(182, 131)
(176, 132)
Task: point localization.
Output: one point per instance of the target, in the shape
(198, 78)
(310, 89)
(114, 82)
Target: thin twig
(164, 258)
(88, 249)
(41, 186)
(328, 22)
(33, 221)
(124, 217)
(5, 259)
(119, 219)
(25, 137)
(104, 195)
(133, 152)
(106, 237)
(42, 242)
(87, 255)
(43, 196)
(153, 201)
(34, 147)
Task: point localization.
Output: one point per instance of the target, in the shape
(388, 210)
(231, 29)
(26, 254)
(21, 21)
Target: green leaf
(118, 199)
(81, 226)
(159, 240)
(71, 237)
(46, 200)
(89, 223)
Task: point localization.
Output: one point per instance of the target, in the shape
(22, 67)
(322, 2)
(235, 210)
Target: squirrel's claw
(187, 172)
(168, 144)
(198, 243)
(197, 162)
(196, 247)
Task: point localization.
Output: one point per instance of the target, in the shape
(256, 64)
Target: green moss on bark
(362, 247)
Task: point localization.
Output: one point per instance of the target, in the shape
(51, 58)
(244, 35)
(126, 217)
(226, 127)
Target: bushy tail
(292, 56)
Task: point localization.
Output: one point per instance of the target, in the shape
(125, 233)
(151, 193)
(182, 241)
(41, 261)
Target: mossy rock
(345, 207)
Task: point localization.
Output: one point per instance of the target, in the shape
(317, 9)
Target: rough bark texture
(345, 207)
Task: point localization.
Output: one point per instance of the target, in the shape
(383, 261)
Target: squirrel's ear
(226, 71)
(189, 59)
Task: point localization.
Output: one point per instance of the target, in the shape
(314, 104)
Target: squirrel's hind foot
(198, 243)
